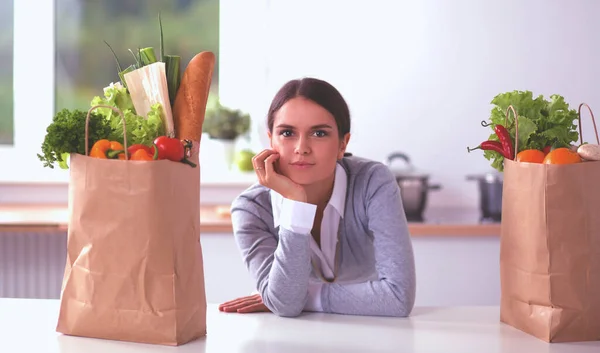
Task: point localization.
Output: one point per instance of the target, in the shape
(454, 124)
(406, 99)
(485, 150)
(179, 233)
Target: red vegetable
(505, 140)
(134, 148)
(171, 149)
(143, 154)
(547, 149)
(490, 146)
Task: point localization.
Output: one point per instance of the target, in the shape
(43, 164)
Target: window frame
(33, 81)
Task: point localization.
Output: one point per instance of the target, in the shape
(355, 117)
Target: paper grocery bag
(550, 250)
(134, 269)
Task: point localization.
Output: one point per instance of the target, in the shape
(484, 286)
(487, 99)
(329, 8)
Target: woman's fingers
(248, 304)
(241, 300)
(268, 163)
(258, 162)
(238, 303)
(253, 308)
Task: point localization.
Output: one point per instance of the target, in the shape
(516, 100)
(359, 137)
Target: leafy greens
(541, 122)
(140, 130)
(66, 134)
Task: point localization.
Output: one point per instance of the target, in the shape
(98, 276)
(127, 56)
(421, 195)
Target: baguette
(192, 97)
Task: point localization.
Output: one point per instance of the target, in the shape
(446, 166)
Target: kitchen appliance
(414, 186)
(490, 195)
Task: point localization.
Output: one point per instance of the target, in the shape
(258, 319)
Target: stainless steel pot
(490, 195)
(414, 186)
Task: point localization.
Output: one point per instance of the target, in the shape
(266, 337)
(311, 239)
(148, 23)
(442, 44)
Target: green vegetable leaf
(526, 128)
(66, 134)
(140, 130)
(542, 122)
(63, 162)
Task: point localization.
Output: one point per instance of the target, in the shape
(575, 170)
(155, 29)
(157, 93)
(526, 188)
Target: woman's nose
(302, 146)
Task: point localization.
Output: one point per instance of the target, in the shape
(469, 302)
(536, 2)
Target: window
(85, 64)
(6, 72)
(62, 61)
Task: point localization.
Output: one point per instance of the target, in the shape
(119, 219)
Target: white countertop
(28, 325)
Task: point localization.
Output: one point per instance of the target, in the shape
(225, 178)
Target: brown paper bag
(550, 249)
(134, 268)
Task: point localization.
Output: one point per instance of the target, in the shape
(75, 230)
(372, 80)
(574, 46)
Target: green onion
(172, 68)
(122, 74)
(115, 55)
(162, 48)
(147, 56)
(137, 60)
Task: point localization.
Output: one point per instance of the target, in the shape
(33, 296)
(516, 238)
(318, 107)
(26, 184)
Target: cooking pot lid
(405, 170)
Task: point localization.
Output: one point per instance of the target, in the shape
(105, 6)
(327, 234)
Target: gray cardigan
(376, 262)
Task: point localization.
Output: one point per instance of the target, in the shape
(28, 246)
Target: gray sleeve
(280, 269)
(393, 294)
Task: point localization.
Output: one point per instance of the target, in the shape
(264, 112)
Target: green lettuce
(542, 122)
(140, 130)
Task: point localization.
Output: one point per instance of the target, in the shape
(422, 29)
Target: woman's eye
(285, 133)
(320, 133)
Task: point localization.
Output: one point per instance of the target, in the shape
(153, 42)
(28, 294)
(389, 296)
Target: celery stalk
(147, 56)
(173, 65)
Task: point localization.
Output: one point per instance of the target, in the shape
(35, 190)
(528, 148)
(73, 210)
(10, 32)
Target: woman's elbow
(403, 302)
(283, 308)
(403, 311)
(398, 308)
(287, 312)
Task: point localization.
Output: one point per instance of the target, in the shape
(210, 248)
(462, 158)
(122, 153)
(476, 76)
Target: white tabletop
(28, 325)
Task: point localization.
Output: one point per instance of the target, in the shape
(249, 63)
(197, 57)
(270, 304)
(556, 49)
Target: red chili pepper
(547, 149)
(171, 149)
(490, 146)
(506, 141)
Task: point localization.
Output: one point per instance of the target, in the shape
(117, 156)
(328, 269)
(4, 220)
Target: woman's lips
(301, 165)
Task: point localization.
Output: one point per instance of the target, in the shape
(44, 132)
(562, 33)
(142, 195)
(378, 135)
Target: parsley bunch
(66, 134)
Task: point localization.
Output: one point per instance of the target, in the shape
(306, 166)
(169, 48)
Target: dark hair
(318, 91)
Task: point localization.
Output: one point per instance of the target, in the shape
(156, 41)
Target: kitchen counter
(28, 325)
(216, 219)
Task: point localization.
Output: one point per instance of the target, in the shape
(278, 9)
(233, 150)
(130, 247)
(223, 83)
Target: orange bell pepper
(106, 149)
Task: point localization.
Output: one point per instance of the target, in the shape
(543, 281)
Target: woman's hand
(267, 176)
(249, 304)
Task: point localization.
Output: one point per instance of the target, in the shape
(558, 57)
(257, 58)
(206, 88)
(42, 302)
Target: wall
(419, 75)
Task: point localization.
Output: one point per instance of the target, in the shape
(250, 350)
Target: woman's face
(306, 137)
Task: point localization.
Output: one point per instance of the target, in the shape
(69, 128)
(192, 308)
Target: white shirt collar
(337, 199)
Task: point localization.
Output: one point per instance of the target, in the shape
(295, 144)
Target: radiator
(32, 264)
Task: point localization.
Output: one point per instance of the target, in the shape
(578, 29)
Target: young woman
(321, 231)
